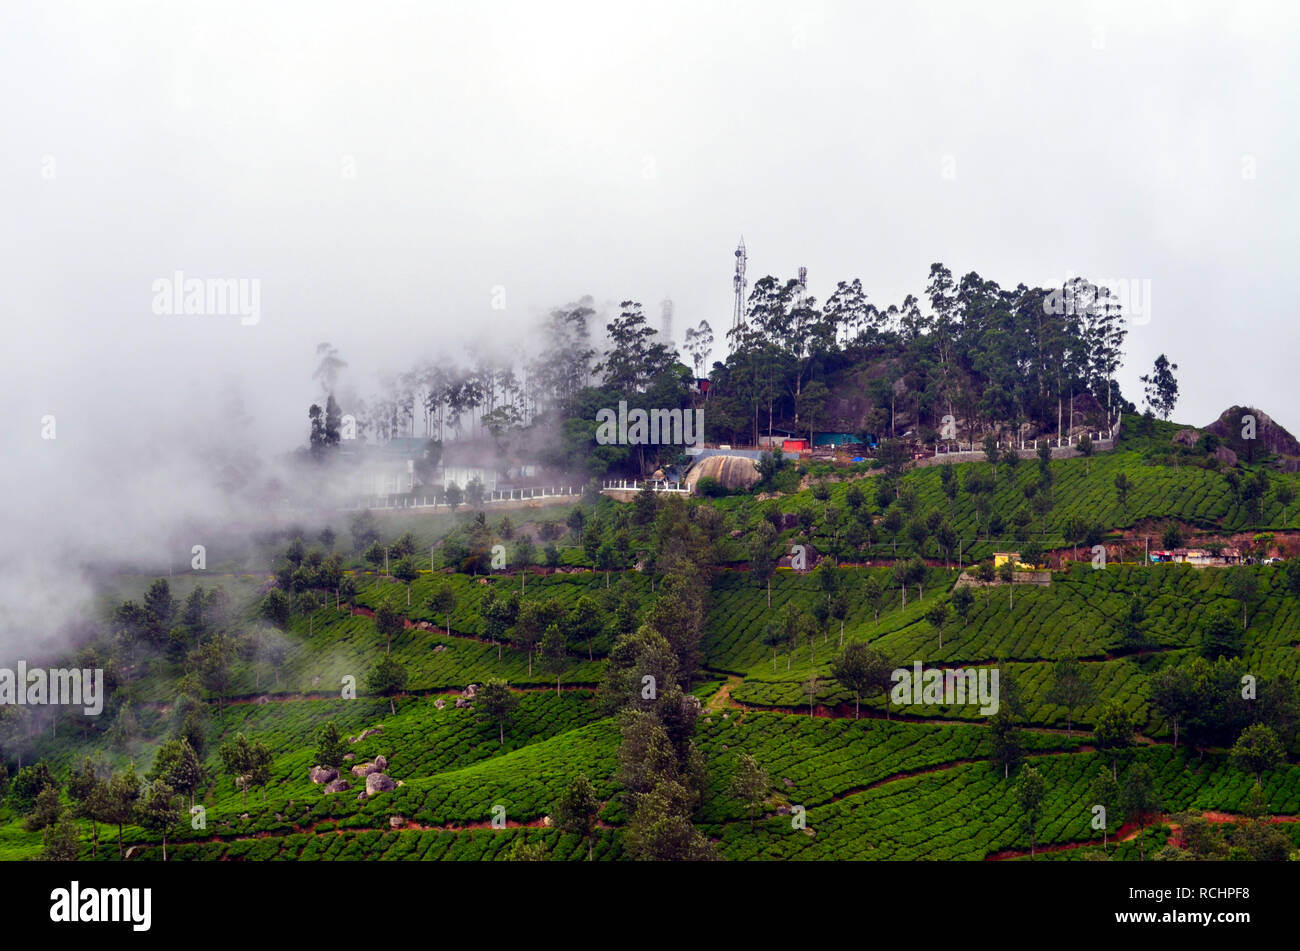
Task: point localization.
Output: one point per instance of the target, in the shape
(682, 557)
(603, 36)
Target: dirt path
(722, 699)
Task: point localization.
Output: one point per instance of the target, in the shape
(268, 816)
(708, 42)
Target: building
(1000, 558)
(835, 440)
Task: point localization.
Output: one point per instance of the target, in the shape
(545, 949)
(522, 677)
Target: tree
(1123, 485)
(963, 600)
(89, 795)
(773, 637)
(62, 844)
(388, 623)
(495, 703)
(839, 607)
(387, 679)
(376, 554)
(577, 810)
(555, 653)
(1141, 803)
(1257, 749)
(1160, 389)
(406, 572)
(1243, 587)
(750, 784)
(237, 758)
(177, 765)
(454, 496)
(762, 556)
(1029, 790)
(873, 592)
(585, 621)
(1113, 733)
(1222, 637)
(1105, 791)
(575, 520)
(1172, 537)
(1069, 689)
(1008, 748)
(123, 793)
(902, 575)
(861, 668)
(525, 555)
(530, 627)
(1172, 695)
(331, 747)
(443, 601)
(937, 616)
(46, 811)
(1132, 634)
(277, 608)
(811, 686)
(159, 811)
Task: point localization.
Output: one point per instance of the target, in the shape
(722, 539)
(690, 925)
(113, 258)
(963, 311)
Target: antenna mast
(738, 316)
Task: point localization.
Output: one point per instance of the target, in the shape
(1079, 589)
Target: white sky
(616, 150)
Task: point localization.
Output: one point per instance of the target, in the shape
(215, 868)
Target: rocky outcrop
(323, 774)
(377, 783)
(339, 785)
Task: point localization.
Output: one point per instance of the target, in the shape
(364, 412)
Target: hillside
(689, 591)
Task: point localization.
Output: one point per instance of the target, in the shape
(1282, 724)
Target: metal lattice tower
(666, 319)
(738, 316)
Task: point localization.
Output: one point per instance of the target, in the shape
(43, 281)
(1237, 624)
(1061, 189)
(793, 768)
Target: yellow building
(1000, 558)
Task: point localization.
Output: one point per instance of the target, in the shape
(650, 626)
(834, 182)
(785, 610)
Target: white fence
(632, 485)
(434, 502)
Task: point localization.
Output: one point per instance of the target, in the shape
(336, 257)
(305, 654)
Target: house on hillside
(1200, 557)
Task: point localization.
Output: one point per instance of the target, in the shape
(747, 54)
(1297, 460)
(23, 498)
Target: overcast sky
(382, 168)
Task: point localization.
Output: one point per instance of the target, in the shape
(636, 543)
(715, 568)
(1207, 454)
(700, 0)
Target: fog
(407, 180)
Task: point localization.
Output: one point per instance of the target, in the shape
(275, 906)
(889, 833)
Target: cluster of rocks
(466, 697)
(379, 764)
(373, 731)
(1190, 437)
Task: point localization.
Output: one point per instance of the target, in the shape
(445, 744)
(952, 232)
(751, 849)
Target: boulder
(470, 691)
(396, 822)
(1225, 456)
(365, 733)
(339, 785)
(381, 763)
(323, 774)
(439, 648)
(377, 783)
(1186, 437)
(349, 756)
(440, 703)
(365, 769)
(461, 702)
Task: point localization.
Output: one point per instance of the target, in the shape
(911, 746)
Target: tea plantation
(772, 761)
